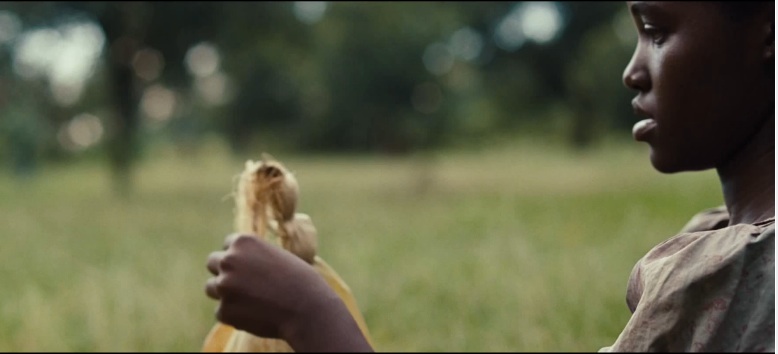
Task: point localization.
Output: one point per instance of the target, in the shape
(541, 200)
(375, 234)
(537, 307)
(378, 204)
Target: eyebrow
(643, 8)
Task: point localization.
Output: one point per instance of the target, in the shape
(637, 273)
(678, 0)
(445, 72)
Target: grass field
(520, 248)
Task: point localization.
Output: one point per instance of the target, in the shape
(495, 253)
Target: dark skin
(705, 81)
(298, 305)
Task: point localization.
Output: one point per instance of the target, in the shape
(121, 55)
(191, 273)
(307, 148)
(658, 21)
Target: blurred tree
(599, 99)
(25, 129)
(344, 76)
(264, 47)
(373, 73)
(124, 25)
(531, 79)
(167, 27)
(129, 27)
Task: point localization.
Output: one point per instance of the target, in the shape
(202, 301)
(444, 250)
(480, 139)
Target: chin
(674, 164)
(665, 168)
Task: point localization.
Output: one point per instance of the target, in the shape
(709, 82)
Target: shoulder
(692, 256)
(706, 290)
(727, 242)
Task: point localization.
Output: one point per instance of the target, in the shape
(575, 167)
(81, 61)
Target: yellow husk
(265, 198)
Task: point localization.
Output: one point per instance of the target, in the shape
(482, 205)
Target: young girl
(703, 72)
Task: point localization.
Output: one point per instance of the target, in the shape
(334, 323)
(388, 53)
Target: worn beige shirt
(709, 288)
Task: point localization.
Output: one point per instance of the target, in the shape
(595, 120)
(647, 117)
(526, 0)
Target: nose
(636, 75)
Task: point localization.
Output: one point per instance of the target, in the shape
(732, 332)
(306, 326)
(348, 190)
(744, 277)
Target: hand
(263, 289)
(269, 292)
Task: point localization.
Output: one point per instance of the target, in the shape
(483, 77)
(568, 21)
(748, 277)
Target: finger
(229, 240)
(229, 312)
(213, 262)
(211, 286)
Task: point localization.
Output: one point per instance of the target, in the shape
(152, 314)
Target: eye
(657, 36)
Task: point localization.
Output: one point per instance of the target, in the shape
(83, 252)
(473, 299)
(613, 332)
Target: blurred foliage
(364, 77)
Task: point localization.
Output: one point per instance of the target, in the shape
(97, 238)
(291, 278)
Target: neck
(748, 178)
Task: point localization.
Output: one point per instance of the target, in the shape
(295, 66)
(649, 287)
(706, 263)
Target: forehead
(680, 11)
(642, 7)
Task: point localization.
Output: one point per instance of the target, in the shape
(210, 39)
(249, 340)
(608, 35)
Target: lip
(639, 110)
(644, 129)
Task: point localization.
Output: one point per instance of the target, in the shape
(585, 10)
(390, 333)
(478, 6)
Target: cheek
(693, 93)
(682, 84)
(702, 102)
(690, 130)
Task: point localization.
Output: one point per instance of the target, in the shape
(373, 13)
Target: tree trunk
(123, 35)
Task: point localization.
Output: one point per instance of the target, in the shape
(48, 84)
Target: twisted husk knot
(266, 198)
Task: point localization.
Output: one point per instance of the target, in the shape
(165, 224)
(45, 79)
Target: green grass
(520, 248)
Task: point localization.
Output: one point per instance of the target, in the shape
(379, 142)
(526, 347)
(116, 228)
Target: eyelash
(656, 35)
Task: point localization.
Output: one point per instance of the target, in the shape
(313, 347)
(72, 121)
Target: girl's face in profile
(702, 79)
